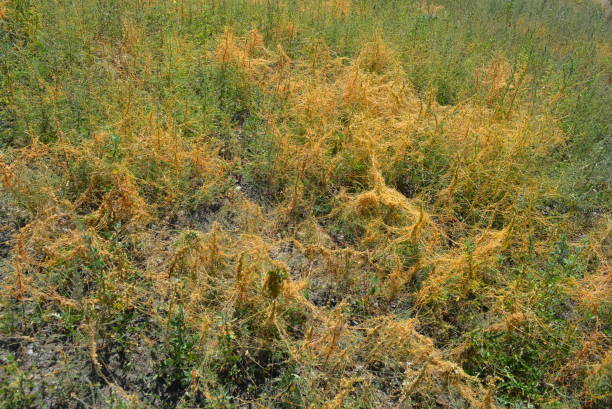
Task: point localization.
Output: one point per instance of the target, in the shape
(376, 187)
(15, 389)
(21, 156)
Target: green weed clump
(318, 204)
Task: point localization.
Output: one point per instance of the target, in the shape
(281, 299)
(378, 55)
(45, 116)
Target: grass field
(305, 204)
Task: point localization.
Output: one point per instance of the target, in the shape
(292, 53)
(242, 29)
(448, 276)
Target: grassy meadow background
(305, 204)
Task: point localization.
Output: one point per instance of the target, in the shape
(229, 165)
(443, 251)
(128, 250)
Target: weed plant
(305, 203)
